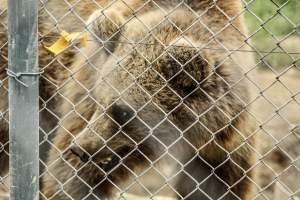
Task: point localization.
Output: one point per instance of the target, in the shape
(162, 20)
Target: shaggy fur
(3, 104)
(119, 117)
(113, 128)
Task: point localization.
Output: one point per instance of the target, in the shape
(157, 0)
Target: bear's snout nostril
(79, 152)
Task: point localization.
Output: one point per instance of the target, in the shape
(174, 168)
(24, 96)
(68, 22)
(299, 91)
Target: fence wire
(169, 99)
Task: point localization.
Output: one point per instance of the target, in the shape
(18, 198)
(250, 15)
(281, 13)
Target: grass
(269, 22)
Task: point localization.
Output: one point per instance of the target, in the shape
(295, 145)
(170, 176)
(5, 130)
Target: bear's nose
(78, 151)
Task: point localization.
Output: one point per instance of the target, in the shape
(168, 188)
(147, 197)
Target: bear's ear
(184, 66)
(221, 8)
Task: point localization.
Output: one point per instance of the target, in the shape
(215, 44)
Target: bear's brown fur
(132, 103)
(113, 111)
(3, 104)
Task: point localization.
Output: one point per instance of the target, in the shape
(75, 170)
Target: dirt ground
(277, 110)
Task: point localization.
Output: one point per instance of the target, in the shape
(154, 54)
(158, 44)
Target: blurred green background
(274, 25)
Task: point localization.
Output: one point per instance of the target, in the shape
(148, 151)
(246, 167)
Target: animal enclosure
(150, 99)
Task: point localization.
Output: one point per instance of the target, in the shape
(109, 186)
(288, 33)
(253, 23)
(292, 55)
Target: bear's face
(164, 92)
(119, 131)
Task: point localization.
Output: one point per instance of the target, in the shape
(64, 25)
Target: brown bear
(162, 89)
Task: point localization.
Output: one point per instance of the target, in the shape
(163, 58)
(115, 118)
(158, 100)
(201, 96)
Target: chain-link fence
(150, 99)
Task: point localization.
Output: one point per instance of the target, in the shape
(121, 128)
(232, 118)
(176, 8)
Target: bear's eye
(121, 113)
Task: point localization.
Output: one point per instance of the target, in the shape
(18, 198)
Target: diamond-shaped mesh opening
(164, 100)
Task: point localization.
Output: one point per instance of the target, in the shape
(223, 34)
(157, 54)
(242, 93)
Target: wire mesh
(4, 151)
(155, 102)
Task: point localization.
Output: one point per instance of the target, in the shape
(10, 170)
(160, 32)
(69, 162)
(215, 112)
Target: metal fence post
(23, 99)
